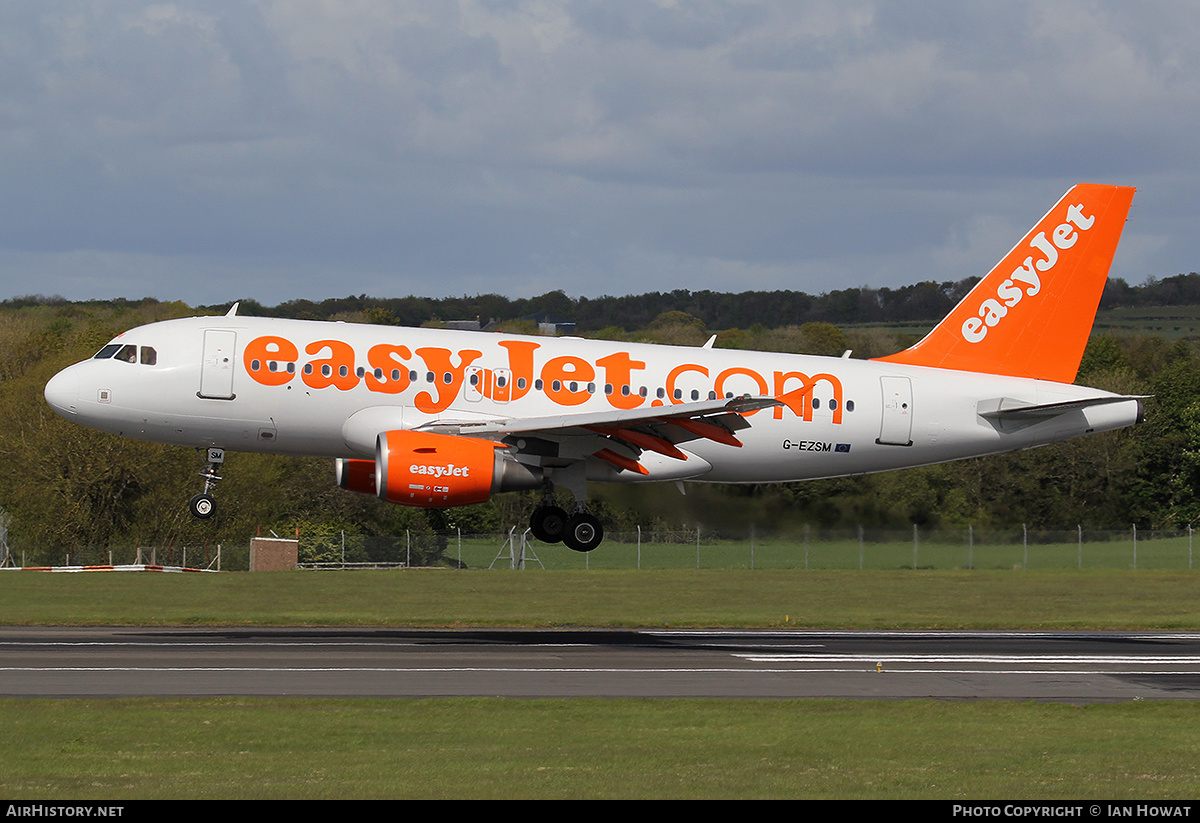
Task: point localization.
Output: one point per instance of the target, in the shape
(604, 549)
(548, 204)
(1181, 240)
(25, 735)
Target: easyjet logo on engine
(566, 380)
(440, 471)
(1025, 280)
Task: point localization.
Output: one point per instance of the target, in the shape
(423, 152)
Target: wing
(644, 442)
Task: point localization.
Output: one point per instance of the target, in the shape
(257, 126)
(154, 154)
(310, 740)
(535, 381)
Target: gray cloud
(274, 150)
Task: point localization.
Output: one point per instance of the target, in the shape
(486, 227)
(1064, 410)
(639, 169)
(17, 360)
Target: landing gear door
(896, 428)
(216, 369)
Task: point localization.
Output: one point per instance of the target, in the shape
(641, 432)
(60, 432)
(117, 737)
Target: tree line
(63, 485)
(923, 302)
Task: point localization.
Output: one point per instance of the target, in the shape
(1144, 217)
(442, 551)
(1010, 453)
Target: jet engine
(356, 475)
(436, 470)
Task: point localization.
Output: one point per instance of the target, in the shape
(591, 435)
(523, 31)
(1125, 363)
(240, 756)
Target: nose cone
(62, 392)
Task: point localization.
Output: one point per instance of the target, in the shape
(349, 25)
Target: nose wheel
(204, 505)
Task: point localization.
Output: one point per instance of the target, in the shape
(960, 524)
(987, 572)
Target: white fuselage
(328, 389)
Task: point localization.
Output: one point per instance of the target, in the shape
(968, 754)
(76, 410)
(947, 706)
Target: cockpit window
(129, 354)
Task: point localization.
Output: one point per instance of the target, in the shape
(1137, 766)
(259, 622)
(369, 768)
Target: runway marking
(170, 644)
(872, 659)
(925, 634)
(868, 667)
(407, 670)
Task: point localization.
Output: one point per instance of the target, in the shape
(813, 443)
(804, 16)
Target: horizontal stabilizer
(1017, 413)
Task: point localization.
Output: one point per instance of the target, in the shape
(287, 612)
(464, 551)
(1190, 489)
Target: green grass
(493, 748)
(1152, 599)
(590, 748)
(821, 549)
(1171, 322)
(944, 550)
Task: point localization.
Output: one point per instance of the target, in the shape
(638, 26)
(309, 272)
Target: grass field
(491, 748)
(815, 549)
(479, 748)
(943, 550)
(1144, 599)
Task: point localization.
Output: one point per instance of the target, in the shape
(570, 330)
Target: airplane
(441, 418)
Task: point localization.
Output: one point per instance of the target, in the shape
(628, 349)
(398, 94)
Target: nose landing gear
(204, 505)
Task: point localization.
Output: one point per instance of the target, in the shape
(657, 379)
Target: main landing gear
(204, 505)
(578, 531)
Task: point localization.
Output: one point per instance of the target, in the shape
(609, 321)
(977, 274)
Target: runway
(196, 662)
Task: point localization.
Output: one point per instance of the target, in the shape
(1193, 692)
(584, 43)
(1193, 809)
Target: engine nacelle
(356, 475)
(438, 470)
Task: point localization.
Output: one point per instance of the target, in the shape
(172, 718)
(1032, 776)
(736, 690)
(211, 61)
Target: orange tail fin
(1032, 314)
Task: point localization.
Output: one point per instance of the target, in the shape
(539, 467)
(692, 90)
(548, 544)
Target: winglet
(1032, 314)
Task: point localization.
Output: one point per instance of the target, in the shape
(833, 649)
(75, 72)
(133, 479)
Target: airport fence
(808, 547)
(195, 556)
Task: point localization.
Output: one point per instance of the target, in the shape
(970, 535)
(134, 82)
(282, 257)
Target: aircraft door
(216, 369)
(896, 428)
(474, 387)
(502, 385)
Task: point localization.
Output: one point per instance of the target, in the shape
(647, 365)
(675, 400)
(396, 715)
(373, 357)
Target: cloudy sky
(207, 151)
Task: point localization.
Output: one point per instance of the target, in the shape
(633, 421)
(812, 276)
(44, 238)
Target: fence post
(1189, 546)
(1025, 547)
(697, 545)
(1135, 545)
(971, 546)
(915, 544)
(751, 547)
(806, 546)
(1079, 549)
(639, 528)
